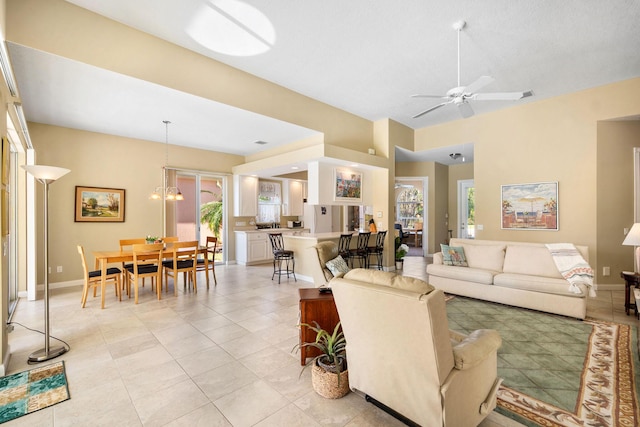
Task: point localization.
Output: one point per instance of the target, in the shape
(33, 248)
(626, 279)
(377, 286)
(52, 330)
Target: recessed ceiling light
(295, 167)
(354, 165)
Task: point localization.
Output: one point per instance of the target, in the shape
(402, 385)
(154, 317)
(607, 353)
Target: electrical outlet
(480, 227)
(59, 269)
(606, 271)
(241, 223)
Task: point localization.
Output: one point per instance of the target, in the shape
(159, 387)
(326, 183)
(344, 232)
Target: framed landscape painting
(348, 186)
(530, 206)
(95, 204)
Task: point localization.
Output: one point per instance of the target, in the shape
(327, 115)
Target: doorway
(466, 209)
(410, 213)
(201, 213)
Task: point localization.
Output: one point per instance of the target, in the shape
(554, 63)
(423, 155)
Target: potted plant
(329, 374)
(401, 250)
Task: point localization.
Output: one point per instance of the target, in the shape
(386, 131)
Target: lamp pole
(46, 175)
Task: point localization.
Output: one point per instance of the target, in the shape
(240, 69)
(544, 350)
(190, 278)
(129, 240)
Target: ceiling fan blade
(478, 84)
(501, 96)
(429, 96)
(430, 110)
(465, 110)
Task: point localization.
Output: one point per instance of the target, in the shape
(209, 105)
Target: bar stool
(280, 255)
(377, 250)
(361, 252)
(344, 245)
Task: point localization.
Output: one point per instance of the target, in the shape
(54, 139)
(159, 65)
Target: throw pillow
(453, 255)
(338, 266)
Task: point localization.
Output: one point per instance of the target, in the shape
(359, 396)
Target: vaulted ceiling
(366, 57)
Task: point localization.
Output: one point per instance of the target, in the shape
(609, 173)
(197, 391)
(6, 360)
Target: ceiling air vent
(260, 142)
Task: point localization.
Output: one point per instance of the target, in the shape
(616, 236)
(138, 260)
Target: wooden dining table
(104, 258)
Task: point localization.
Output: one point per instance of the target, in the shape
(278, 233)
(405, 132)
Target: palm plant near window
(211, 215)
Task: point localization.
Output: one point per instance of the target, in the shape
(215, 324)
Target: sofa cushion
(486, 257)
(338, 266)
(385, 278)
(540, 284)
(468, 274)
(531, 260)
(453, 255)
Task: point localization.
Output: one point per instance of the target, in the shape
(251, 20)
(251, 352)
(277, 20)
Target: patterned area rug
(558, 371)
(30, 391)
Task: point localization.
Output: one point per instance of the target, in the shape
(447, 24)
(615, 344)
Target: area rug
(558, 371)
(32, 390)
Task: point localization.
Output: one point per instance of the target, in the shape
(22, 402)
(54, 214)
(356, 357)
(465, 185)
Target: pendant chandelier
(169, 193)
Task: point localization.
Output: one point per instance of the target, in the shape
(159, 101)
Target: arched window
(409, 207)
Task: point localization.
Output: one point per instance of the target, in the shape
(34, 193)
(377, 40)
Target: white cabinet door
(245, 195)
(293, 198)
(258, 251)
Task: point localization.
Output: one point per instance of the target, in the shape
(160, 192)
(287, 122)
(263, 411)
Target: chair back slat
(344, 244)
(277, 242)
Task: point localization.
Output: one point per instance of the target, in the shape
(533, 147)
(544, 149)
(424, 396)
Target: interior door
(466, 209)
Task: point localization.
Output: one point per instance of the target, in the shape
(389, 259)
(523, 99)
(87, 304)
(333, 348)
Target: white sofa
(514, 273)
(401, 352)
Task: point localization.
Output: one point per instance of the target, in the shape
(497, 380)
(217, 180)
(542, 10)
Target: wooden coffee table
(318, 307)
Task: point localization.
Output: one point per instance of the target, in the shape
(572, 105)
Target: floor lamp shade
(633, 239)
(46, 175)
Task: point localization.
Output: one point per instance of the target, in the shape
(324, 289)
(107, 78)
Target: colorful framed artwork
(530, 206)
(348, 185)
(96, 204)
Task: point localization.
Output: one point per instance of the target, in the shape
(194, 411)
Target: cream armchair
(323, 252)
(401, 353)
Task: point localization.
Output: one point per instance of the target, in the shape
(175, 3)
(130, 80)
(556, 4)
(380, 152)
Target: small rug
(558, 371)
(32, 390)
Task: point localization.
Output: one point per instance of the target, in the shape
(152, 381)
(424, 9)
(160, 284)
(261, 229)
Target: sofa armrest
(437, 258)
(475, 348)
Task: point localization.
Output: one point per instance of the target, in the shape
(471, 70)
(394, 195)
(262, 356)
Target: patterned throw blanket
(572, 267)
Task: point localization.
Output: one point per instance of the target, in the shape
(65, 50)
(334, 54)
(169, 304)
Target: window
(269, 201)
(409, 207)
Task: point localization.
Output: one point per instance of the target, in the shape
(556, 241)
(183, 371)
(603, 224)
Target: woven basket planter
(326, 383)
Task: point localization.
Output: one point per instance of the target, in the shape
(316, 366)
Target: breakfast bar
(302, 246)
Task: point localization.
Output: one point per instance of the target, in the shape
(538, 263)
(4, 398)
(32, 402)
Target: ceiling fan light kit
(461, 95)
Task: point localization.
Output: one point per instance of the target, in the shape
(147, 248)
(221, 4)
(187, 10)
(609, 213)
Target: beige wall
(616, 141)
(549, 140)
(99, 160)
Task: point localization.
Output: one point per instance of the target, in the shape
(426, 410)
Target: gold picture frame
(97, 204)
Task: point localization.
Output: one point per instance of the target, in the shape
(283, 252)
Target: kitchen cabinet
(254, 247)
(245, 195)
(292, 198)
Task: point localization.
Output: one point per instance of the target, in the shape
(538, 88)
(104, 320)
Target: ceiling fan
(461, 95)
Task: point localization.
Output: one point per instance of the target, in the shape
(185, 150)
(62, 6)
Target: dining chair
(344, 246)
(377, 250)
(125, 245)
(93, 279)
(184, 256)
(418, 234)
(147, 262)
(361, 252)
(281, 255)
(210, 256)
(171, 239)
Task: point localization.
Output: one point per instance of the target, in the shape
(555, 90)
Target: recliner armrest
(475, 348)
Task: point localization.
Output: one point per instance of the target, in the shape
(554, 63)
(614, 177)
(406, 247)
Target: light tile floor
(220, 357)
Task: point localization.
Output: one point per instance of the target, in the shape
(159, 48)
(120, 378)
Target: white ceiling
(364, 56)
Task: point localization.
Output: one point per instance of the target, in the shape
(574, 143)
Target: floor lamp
(46, 175)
